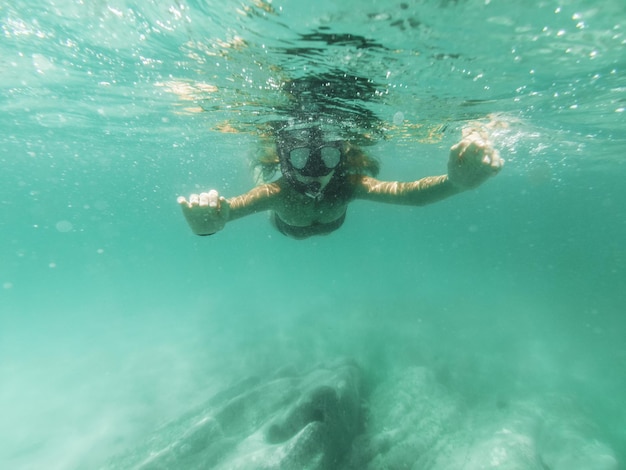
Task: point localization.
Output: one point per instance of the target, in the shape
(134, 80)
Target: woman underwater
(322, 174)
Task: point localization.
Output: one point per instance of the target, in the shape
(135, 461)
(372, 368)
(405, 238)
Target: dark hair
(358, 162)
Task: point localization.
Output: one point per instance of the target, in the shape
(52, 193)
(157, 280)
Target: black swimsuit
(316, 228)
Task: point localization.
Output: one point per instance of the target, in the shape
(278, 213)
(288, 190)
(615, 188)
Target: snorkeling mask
(308, 156)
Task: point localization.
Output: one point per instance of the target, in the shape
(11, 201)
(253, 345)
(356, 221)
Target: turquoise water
(488, 329)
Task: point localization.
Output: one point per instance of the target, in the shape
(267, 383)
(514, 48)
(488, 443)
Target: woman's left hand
(472, 161)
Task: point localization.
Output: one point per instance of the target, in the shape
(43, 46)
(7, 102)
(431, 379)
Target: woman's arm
(416, 193)
(472, 161)
(207, 213)
(262, 198)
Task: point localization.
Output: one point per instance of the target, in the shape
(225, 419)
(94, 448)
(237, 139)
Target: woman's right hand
(206, 213)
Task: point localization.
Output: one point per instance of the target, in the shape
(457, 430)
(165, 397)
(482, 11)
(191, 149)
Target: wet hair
(358, 162)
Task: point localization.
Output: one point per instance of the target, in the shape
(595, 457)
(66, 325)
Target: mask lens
(330, 156)
(299, 157)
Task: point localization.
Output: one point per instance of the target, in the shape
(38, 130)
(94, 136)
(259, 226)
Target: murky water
(485, 331)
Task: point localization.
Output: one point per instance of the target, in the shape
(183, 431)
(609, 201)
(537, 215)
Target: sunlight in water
(480, 331)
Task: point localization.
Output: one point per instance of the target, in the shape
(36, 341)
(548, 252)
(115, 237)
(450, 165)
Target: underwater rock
(292, 421)
(410, 413)
(572, 443)
(416, 423)
(315, 421)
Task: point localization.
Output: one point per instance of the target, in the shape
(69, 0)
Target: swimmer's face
(309, 158)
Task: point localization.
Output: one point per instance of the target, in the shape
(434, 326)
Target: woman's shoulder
(362, 185)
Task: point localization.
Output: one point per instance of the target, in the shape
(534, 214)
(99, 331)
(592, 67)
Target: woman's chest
(306, 212)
